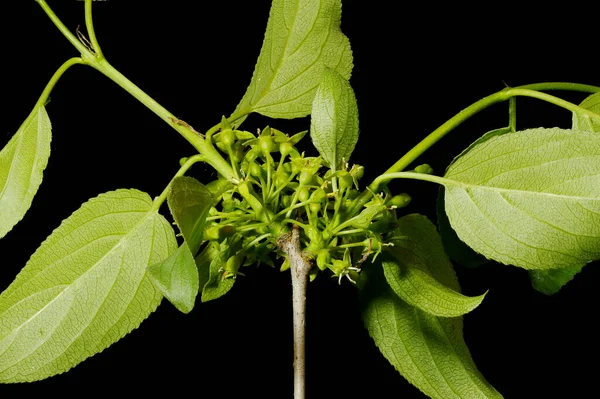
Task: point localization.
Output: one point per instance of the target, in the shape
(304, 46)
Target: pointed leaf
(302, 37)
(177, 278)
(530, 198)
(84, 288)
(211, 262)
(549, 282)
(428, 351)
(189, 202)
(22, 163)
(584, 122)
(408, 269)
(334, 119)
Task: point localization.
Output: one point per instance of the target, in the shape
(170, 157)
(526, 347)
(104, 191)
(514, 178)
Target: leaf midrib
(74, 282)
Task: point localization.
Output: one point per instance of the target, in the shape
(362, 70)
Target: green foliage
(549, 282)
(584, 122)
(84, 288)
(334, 119)
(302, 38)
(189, 202)
(409, 271)
(211, 262)
(428, 351)
(22, 163)
(177, 278)
(530, 199)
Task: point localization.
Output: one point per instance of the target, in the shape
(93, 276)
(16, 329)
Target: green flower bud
(281, 179)
(303, 194)
(323, 259)
(286, 148)
(314, 207)
(182, 161)
(345, 180)
(305, 178)
(255, 170)
(218, 233)
(233, 264)
(227, 137)
(266, 144)
(399, 201)
(357, 171)
(425, 169)
(286, 201)
(318, 195)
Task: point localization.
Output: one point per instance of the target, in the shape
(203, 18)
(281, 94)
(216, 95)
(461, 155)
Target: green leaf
(408, 269)
(177, 278)
(302, 37)
(84, 288)
(549, 282)
(334, 119)
(211, 262)
(22, 163)
(189, 202)
(584, 122)
(530, 198)
(428, 351)
(457, 250)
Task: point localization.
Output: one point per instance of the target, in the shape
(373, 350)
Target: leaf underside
(530, 198)
(177, 278)
(302, 37)
(457, 250)
(84, 288)
(549, 282)
(22, 163)
(408, 269)
(189, 202)
(428, 351)
(584, 122)
(334, 119)
(210, 262)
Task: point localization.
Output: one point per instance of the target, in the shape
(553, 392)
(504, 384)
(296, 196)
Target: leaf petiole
(503, 95)
(89, 24)
(158, 201)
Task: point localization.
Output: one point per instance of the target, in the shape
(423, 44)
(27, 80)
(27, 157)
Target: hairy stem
(300, 266)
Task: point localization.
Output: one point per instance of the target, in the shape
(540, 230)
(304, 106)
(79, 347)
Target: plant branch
(86, 54)
(462, 116)
(55, 78)
(300, 266)
(213, 157)
(89, 24)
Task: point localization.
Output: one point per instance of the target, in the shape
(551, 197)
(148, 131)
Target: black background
(415, 67)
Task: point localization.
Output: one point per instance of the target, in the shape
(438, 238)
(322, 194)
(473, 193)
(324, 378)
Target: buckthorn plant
(273, 184)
